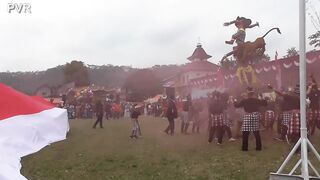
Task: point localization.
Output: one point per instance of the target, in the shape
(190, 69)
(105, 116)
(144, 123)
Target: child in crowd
(135, 113)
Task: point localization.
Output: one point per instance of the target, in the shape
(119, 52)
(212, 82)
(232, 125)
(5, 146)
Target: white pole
(302, 70)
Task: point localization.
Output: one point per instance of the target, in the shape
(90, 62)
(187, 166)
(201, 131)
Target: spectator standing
(99, 114)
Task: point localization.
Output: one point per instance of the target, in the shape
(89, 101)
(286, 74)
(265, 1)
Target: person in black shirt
(216, 117)
(99, 114)
(135, 113)
(171, 115)
(251, 118)
(313, 94)
(291, 115)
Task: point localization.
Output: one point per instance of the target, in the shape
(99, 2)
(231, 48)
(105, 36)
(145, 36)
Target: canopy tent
(154, 99)
(27, 124)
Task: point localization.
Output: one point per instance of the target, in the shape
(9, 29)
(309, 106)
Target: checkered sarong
(269, 117)
(227, 121)
(311, 115)
(250, 121)
(294, 124)
(217, 120)
(286, 117)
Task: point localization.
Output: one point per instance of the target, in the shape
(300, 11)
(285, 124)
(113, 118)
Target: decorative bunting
(266, 69)
(258, 71)
(287, 65)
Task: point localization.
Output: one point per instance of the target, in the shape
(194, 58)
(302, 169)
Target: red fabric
(13, 103)
(116, 107)
(42, 100)
(309, 116)
(294, 124)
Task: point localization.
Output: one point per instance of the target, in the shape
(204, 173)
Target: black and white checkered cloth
(227, 121)
(217, 120)
(250, 121)
(287, 116)
(294, 124)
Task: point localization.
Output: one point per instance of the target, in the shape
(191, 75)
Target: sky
(138, 33)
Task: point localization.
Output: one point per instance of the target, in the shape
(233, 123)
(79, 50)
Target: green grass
(109, 153)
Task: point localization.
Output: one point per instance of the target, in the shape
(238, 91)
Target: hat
(246, 22)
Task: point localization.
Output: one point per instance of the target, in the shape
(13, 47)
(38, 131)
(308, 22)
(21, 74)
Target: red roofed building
(197, 68)
(199, 54)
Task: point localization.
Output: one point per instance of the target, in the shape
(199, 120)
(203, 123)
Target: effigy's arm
(254, 25)
(229, 23)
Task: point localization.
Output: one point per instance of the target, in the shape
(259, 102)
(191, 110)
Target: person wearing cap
(171, 114)
(251, 118)
(135, 113)
(242, 24)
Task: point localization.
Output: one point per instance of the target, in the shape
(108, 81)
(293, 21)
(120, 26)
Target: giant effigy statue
(245, 51)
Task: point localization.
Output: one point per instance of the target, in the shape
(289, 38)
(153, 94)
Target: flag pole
(303, 85)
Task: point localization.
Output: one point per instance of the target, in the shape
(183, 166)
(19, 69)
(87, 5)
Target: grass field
(109, 153)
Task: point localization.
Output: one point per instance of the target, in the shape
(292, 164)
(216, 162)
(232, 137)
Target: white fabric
(26, 134)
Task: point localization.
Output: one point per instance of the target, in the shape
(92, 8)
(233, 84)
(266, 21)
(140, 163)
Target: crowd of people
(87, 110)
(218, 114)
(251, 113)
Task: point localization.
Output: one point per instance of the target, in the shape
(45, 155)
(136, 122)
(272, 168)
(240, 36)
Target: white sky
(141, 33)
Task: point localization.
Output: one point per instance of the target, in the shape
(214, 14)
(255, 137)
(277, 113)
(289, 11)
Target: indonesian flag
(27, 124)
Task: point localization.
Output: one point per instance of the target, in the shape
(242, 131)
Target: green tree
(142, 84)
(228, 64)
(258, 58)
(76, 72)
(315, 39)
(291, 52)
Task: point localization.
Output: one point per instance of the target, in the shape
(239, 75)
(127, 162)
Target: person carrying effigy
(216, 117)
(251, 118)
(290, 126)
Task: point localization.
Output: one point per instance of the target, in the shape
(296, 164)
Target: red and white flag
(27, 124)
